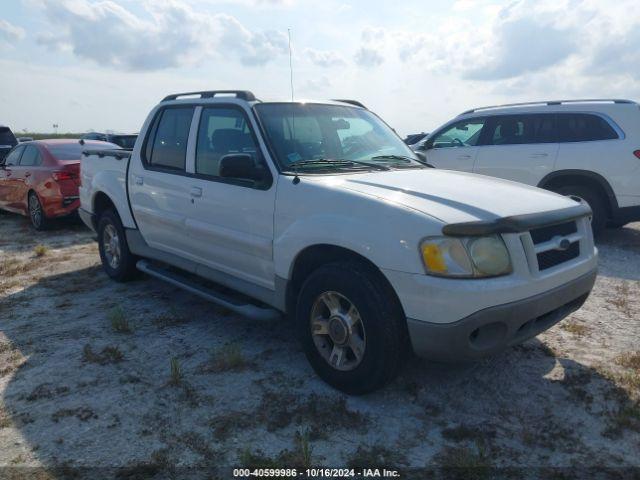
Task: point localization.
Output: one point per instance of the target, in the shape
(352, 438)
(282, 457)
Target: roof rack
(551, 102)
(350, 102)
(241, 94)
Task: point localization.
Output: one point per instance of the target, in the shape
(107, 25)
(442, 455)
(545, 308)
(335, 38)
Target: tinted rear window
(125, 141)
(583, 127)
(6, 137)
(73, 151)
(521, 129)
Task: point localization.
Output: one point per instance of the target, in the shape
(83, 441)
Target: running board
(236, 305)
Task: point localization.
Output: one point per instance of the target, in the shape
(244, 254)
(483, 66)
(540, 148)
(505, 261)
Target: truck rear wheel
(350, 330)
(118, 262)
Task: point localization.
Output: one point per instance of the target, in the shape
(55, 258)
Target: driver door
(455, 146)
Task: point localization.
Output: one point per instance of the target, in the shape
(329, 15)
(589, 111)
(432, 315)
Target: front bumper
(493, 329)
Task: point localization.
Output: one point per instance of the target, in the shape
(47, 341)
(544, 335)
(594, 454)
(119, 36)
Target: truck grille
(544, 234)
(551, 258)
(550, 253)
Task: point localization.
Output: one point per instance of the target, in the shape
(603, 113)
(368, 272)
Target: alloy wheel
(337, 330)
(111, 243)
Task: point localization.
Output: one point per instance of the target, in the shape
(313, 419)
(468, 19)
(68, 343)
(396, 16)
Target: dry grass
(227, 358)
(40, 250)
(10, 267)
(629, 360)
(621, 299)
(575, 328)
(175, 372)
(119, 322)
(109, 354)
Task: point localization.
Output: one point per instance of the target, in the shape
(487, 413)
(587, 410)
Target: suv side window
(465, 133)
(166, 145)
(13, 158)
(521, 129)
(583, 127)
(30, 157)
(225, 132)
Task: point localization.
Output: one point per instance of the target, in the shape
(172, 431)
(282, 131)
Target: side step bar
(236, 305)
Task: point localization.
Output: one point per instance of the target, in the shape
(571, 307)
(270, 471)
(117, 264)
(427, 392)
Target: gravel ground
(151, 379)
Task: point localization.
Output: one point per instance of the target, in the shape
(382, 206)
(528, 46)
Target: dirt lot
(147, 377)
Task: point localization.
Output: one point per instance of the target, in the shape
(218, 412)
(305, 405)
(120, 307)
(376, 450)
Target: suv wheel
(117, 260)
(350, 331)
(36, 213)
(598, 207)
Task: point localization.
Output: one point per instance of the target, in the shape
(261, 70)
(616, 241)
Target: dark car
(126, 141)
(415, 138)
(7, 141)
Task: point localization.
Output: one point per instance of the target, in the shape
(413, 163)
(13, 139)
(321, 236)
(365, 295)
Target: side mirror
(421, 155)
(240, 165)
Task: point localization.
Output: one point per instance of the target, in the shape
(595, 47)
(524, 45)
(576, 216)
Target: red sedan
(41, 179)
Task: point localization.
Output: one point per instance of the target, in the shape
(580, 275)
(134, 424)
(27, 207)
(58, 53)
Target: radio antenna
(290, 63)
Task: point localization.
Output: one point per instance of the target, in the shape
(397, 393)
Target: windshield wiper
(400, 157)
(333, 162)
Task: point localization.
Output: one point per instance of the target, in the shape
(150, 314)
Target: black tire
(386, 343)
(39, 220)
(124, 268)
(595, 201)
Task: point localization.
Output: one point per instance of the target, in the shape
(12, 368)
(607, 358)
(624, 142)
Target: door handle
(539, 155)
(138, 180)
(196, 192)
(464, 157)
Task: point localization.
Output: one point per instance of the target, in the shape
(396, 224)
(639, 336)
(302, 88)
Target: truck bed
(105, 170)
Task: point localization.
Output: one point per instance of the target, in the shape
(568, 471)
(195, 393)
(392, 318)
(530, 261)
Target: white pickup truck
(320, 211)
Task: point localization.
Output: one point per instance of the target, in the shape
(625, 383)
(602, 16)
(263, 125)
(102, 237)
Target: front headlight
(465, 256)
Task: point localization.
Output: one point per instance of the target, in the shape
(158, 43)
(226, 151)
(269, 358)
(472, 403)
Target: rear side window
(583, 127)
(30, 157)
(521, 129)
(167, 143)
(14, 156)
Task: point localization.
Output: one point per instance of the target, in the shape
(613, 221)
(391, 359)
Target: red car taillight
(637, 153)
(63, 175)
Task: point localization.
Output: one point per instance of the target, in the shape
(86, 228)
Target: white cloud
(110, 35)
(10, 33)
(370, 52)
(324, 58)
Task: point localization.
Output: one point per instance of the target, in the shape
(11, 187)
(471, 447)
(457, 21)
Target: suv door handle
(464, 157)
(196, 192)
(138, 180)
(539, 155)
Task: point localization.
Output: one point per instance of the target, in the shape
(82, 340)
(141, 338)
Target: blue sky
(102, 64)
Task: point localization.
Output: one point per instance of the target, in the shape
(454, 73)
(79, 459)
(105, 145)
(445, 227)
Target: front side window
(30, 157)
(461, 134)
(223, 134)
(167, 143)
(14, 156)
(583, 127)
(320, 136)
(521, 129)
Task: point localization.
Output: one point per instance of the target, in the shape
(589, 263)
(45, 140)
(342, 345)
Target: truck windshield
(327, 137)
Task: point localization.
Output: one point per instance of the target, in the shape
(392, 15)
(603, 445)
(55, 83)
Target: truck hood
(453, 197)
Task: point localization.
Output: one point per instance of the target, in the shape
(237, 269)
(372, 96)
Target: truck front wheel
(118, 262)
(351, 331)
